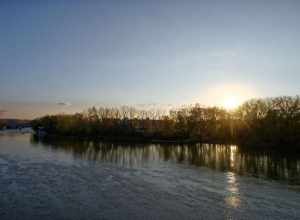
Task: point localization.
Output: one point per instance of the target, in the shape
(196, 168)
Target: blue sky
(142, 52)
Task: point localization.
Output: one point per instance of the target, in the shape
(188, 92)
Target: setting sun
(229, 95)
(231, 102)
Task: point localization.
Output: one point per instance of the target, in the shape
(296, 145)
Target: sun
(228, 96)
(231, 102)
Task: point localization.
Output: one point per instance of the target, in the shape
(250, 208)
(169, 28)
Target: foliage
(272, 121)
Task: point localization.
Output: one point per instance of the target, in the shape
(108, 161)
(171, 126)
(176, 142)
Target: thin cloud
(154, 106)
(2, 111)
(148, 105)
(64, 104)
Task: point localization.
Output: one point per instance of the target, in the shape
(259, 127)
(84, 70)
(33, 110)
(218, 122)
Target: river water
(68, 179)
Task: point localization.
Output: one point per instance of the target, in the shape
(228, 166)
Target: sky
(64, 56)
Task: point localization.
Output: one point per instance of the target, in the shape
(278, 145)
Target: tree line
(269, 121)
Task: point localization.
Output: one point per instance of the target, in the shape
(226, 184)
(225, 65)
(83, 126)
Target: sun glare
(228, 96)
(231, 103)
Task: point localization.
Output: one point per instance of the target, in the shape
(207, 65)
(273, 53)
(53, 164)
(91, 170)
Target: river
(71, 179)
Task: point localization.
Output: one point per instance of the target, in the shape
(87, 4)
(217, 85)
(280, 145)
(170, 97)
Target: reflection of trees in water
(270, 165)
(217, 157)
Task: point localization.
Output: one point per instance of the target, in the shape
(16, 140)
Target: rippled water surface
(64, 179)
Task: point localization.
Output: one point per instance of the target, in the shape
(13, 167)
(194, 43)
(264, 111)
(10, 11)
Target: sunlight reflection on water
(233, 197)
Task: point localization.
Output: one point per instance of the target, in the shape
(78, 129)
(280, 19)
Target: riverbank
(246, 147)
(123, 139)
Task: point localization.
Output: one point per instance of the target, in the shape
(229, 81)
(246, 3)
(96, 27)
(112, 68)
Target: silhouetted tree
(271, 121)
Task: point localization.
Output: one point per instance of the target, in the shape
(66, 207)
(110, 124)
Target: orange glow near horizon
(228, 96)
(231, 102)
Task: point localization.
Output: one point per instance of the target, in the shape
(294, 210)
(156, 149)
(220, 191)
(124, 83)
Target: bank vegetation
(257, 122)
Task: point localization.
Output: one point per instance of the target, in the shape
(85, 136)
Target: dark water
(64, 179)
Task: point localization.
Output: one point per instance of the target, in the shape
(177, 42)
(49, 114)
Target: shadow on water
(224, 158)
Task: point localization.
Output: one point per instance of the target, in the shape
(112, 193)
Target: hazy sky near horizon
(63, 56)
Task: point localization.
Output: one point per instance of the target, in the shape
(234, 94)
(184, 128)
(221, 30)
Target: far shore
(141, 140)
